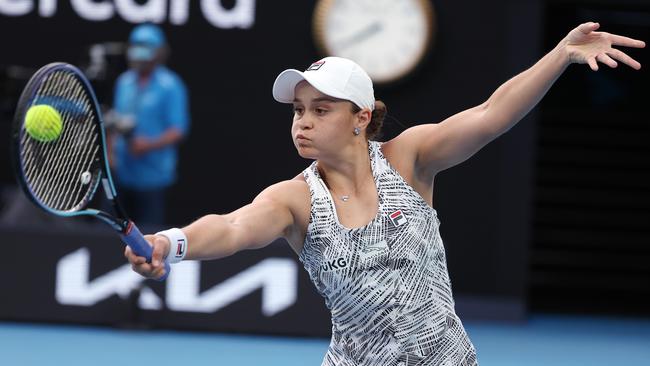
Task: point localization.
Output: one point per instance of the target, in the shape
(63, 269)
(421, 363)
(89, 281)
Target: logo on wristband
(180, 248)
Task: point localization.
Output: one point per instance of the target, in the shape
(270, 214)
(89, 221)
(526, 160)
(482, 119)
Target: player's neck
(347, 174)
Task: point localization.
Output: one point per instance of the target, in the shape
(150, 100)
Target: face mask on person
(141, 53)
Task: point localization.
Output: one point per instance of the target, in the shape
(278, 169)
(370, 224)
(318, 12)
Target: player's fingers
(158, 251)
(625, 41)
(592, 63)
(147, 270)
(604, 58)
(624, 58)
(141, 269)
(138, 260)
(588, 27)
(159, 272)
(132, 257)
(150, 271)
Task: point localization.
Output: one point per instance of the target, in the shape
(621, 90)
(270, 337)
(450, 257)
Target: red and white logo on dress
(397, 218)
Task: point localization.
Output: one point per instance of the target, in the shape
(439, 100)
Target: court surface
(543, 340)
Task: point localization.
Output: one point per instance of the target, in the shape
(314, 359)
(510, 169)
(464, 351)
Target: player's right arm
(280, 211)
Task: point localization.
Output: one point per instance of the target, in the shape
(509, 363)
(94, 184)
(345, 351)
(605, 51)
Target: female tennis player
(360, 217)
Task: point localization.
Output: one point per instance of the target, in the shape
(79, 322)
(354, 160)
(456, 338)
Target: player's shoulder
(403, 150)
(292, 190)
(409, 141)
(414, 134)
(293, 195)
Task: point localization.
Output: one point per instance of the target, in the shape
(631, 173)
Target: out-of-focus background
(547, 229)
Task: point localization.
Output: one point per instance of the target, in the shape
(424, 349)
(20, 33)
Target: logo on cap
(316, 65)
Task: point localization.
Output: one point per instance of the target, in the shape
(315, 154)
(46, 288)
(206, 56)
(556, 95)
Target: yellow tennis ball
(43, 123)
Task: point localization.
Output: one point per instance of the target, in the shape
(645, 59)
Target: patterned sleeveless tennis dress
(386, 283)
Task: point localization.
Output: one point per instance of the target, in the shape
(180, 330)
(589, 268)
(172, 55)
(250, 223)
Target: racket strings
(54, 169)
(46, 153)
(74, 164)
(39, 157)
(52, 155)
(71, 166)
(57, 195)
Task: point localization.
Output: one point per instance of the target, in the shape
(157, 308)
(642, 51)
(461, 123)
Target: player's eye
(320, 110)
(298, 110)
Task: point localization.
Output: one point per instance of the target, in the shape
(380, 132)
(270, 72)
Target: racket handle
(134, 239)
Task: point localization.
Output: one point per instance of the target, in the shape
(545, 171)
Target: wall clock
(388, 38)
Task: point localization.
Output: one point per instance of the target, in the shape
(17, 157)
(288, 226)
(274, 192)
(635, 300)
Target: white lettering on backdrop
(177, 12)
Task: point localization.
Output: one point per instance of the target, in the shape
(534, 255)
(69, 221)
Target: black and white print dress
(386, 283)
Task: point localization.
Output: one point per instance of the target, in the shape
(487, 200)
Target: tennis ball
(43, 123)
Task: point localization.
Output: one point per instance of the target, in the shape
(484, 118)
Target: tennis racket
(62, 175)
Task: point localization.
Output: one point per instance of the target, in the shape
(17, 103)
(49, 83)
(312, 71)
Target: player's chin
(306, 152)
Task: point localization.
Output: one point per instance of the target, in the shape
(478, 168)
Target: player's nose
(304, 122)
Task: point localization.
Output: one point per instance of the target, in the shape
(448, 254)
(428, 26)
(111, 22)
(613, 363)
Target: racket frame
(129, 233)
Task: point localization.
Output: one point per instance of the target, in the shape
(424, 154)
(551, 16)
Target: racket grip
(134, 239)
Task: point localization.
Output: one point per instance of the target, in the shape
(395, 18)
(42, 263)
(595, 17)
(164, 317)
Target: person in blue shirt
(151, 100)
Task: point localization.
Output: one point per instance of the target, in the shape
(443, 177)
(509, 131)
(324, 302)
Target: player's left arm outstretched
(435, 147)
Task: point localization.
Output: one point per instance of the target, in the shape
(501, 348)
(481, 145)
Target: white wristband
(177, 244)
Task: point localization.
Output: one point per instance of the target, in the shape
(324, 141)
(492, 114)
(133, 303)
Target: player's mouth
(301, 138)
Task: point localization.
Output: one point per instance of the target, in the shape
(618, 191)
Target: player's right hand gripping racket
(61, 174)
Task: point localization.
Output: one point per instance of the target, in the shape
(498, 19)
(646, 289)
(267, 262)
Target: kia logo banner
(82, 277)
(277, 278)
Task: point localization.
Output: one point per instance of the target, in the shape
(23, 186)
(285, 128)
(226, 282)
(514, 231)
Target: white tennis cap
(334, 76)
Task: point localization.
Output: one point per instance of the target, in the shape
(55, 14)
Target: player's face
(322, 125)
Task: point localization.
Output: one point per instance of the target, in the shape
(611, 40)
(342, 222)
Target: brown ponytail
(373, 130)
